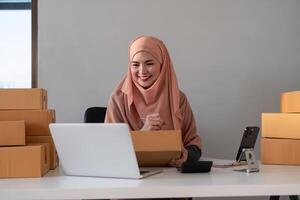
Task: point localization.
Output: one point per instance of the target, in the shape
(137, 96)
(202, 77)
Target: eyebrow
(147, 61)
(151, 60)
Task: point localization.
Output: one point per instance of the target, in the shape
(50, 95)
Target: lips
(144, 78)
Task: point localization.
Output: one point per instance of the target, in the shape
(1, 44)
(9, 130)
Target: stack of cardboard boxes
(280, 143)
(26, 145)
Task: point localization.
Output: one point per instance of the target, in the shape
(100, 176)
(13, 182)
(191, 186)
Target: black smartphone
(248, 141)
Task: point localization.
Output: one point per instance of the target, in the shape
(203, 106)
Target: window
(16, 44)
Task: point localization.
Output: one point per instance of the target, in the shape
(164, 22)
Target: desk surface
(271, 180)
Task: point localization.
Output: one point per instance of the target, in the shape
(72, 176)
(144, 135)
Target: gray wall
(233, 58)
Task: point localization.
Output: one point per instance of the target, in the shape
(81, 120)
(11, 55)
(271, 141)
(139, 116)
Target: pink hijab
(163, 96)
(130, 102)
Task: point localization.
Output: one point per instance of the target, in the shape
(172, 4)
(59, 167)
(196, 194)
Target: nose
(142, 69)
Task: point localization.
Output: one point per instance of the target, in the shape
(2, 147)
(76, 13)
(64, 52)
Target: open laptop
(102, 150)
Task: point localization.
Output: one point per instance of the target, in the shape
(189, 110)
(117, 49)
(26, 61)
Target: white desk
(272, 180)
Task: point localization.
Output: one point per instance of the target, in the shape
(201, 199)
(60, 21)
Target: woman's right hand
(152, 122)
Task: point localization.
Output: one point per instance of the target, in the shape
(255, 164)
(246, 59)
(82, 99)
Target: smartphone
(248, 141)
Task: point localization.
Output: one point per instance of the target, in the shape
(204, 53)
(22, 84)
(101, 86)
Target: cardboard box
(156, 148)
(49, 140)
(27, 98)
(290, 102)
(24, 161)
(280, 125)
(12, 133)
(36, 121)
(280, 151)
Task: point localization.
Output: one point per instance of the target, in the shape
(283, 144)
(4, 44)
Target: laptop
(94, 149)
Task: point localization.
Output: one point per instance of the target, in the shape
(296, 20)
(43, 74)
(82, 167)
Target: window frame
(15, 5)
(34, 43)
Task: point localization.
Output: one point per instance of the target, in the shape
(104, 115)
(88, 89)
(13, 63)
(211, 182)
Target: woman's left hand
(182, 159)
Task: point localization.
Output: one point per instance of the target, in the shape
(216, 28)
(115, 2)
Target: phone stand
(252, 165)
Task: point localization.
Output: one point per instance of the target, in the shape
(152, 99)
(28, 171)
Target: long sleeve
(188, 128)
(194, 153)
(113, 112)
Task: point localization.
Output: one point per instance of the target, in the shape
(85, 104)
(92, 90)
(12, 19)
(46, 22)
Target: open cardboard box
(156, 148)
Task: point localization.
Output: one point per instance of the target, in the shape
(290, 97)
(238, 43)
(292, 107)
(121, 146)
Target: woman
(148, 98)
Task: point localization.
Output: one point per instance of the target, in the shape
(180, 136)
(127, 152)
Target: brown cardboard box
(24, 161)
(290, 102)
(36, 121)
(12, 133)
(27, 98)
(280, 125)
(280, 151)
(49, 140)
(156, 148)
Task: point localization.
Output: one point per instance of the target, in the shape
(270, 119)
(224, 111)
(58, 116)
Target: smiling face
(145, 69)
